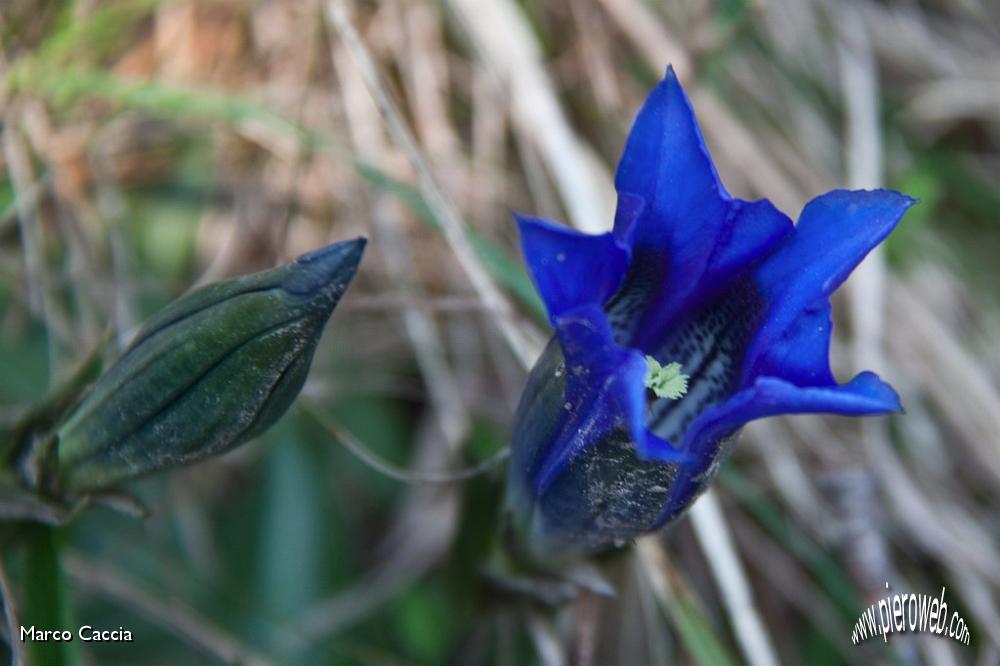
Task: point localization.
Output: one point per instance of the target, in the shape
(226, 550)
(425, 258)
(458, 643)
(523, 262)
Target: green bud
(213, 369)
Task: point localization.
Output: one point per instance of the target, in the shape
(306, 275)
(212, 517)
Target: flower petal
(753, 230)
(666, 162)
(627, 213)
(800, 352)
(656, 296)
(605, 390)
(690, 237)
(834, 233)
(571, 268)
(593, 359)
(864, 395)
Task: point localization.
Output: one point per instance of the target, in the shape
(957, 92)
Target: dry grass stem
(713, 536)
(171, 613)
(525, 349)
(447, 477)
(502, 38)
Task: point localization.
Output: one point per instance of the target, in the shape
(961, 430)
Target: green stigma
(666, 381)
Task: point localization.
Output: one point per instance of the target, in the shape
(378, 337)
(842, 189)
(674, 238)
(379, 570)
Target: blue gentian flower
(730, 289)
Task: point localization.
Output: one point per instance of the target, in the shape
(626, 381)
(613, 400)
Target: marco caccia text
(86, 633)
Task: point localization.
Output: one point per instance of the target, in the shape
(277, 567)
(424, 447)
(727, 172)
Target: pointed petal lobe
(834, 233)
(570, 268)
(690, 237)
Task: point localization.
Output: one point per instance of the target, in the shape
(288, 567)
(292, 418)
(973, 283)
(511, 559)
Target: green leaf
(697, 634)
(92, 35)
(424, 625)
(291, 549)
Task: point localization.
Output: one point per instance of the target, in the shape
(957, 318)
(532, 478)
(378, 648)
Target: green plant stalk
(45, 605)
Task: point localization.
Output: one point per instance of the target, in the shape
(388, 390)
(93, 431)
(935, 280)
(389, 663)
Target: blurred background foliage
(153, 145)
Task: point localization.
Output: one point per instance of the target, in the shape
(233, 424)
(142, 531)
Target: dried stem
(713, 536)
(385, 467)
(525, 349)
(170, 613)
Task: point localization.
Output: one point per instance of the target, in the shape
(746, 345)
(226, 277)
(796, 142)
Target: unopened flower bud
(210, 371)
